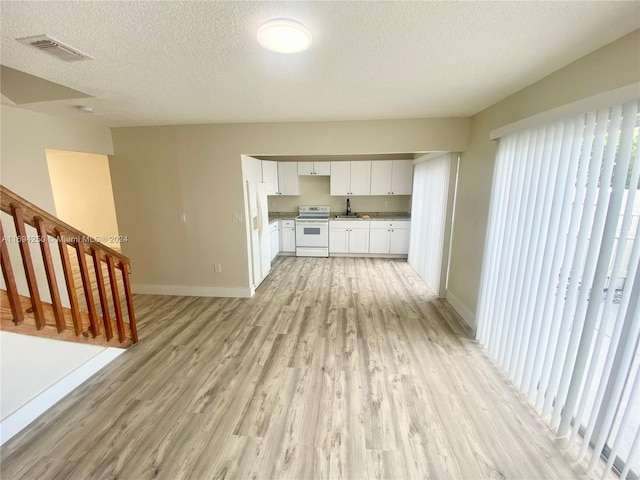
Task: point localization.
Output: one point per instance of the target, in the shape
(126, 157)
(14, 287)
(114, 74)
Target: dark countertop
(275, 216)
(372, 216)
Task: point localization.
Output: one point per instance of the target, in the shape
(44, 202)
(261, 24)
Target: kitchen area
(339, 208)
(391, 206)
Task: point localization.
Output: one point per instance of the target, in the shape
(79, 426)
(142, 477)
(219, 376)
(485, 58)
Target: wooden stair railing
(31, 315)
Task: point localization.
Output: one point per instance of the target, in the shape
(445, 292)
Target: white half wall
(37, 372)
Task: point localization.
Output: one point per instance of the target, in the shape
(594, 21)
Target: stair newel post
(43, 238)
(10, 281)
(30, 274)
(129, 297)
(102, 294)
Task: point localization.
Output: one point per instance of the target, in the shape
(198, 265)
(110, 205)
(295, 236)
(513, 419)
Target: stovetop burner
(313, 212)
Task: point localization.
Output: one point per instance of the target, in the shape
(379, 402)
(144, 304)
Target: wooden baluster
(86, 286)
(106, 319)
(58, 313)
(116, 298)
(10, 281)
(30, 273)
(129, 298)
(71, 287)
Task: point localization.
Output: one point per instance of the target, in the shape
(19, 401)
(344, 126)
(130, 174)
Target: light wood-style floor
(337, 368)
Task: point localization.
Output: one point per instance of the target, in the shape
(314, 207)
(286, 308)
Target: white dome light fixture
(284, 35)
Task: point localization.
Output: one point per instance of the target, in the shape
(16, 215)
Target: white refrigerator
(259, 228)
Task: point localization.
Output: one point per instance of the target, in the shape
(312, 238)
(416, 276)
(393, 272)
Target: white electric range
(312, 231)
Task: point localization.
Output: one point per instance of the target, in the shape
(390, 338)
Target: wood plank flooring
(338, 368)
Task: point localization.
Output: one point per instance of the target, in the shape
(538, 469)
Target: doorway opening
(83, 194)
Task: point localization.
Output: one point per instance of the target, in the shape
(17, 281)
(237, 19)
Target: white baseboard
(462, 310)
(26, 414)
(187, 291)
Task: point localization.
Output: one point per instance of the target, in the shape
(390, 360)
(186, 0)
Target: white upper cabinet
(381, 177)
(402, 177)
(340, 181)
(322, 168)
(391, 177)
(270, 176)
(350, 178)
(361, 178)
(314, 168)
(288, 178)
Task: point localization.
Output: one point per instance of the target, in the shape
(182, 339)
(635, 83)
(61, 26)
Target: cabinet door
(288, 178)
(288, 239)
(360, 178)
(270, 176)
(340, 178)
(402, 177)
(399, 241)
(322, 168)
(305, 168)
(379, 240)
(381, 177)
(359, 240)
(338, 240)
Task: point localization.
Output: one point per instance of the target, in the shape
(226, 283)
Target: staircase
(93, 274)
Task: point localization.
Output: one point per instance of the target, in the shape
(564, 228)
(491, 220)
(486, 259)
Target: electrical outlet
(386, 203)
(217, 268)
(182, 217)
(236, 217)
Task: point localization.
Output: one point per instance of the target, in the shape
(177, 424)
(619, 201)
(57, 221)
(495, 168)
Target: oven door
(312, 233)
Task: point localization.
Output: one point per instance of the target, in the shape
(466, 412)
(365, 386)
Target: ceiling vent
(55, 48)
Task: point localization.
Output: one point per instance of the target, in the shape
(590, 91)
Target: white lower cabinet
(390, 237)
(287, 236)
(274, 230)
(348, 236)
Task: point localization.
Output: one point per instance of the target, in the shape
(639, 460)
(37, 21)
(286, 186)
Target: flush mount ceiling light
(284, 35)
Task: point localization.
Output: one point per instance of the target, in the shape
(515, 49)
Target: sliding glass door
(559, 304)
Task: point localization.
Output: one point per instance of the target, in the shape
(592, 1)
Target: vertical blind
(559, 303)
(428, 218)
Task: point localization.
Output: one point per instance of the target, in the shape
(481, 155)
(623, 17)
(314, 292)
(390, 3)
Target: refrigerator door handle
(260, 213)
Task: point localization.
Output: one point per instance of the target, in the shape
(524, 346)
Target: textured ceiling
(198, 62)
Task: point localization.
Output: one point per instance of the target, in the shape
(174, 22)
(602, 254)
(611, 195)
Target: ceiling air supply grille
(55, 48)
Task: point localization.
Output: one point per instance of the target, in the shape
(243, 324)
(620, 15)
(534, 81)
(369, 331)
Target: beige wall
(613, 66)
(158, 172)
(82, 193)
(315, 191)
(26, 135)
